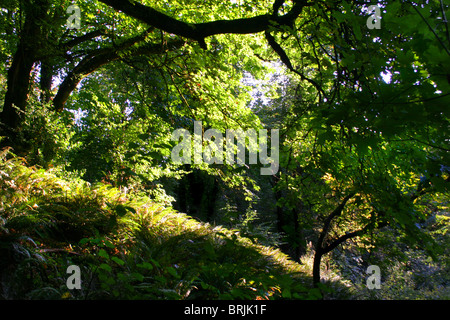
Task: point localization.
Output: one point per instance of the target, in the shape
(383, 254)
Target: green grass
(127, 247)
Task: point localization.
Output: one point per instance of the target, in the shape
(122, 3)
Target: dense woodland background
(87, 179)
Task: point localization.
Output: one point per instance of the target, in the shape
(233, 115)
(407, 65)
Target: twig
(431, 29)
(445, 21)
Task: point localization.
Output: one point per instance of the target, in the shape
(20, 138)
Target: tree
(362, 150)
(358, 150)
(44, 40)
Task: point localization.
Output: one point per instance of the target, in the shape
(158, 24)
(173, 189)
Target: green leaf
(102, 253)
(144, 136)
(314, 294)
(145, 265)
(357, 31)
(155, 263)
(105, 267)
(118, 261)
(287, 293)
(173, 272)
(83, 241)
(121, 211)
(339, 16)
(109, 244)
(131, 209)
(139, 277)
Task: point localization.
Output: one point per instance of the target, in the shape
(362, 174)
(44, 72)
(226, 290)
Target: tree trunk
(316, 267)
(19, 74)
(46, 81)
(320, 248)
(17, 84)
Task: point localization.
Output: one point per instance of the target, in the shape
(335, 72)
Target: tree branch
(350, 235)
(276, 7)
(77, 40)
(432, 30)
(94, 61)
(200, 31)
(285, 59)
(336, 212)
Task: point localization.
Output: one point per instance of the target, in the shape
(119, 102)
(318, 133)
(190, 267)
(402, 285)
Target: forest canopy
(315, 132)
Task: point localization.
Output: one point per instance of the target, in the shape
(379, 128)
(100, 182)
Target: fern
(130, 247)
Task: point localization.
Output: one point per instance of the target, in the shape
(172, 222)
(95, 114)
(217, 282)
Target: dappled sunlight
(224, 150)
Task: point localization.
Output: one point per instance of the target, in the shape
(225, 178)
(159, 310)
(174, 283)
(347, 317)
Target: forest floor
(128, 247)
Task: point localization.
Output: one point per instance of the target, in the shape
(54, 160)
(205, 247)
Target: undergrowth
(127, 247)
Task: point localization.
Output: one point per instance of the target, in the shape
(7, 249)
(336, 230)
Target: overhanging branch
(336, 212)
(285, 59)
(92, 62)
(86, 37)
(200, 31)
(350, 235)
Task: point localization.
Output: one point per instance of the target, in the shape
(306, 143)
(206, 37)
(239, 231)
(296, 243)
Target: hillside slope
(126, 247)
